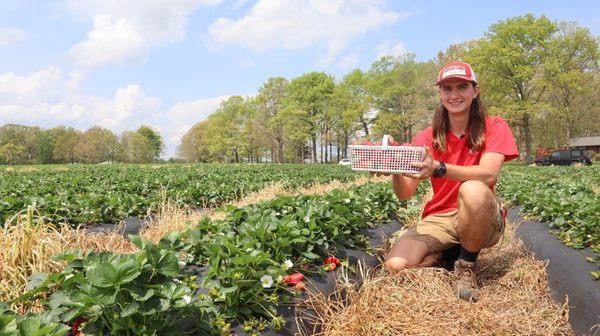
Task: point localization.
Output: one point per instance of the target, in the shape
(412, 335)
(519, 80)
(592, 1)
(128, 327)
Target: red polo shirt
(498, 139)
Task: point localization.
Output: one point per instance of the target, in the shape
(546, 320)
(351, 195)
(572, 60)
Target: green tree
(296, 129)
(347, 114)
(510, 61)
(399, 87)
(269, 103)
(355, 85)
(65, 141)
(225, 130)
(154, 139)
(570, 74)
(11, 153)
(311, 93)
(193, 146)
(136, 148)
(21, 136)
(96, 145)
(44, 146)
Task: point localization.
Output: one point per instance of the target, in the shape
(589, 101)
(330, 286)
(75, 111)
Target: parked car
(345, 162)
(567, 157)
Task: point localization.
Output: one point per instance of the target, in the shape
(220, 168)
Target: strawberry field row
(566, 198)
(109, 193)
(233, 270)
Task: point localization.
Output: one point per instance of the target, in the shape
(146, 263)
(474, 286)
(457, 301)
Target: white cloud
(349, 61)
(125, 30)
(239, 3)
(109, 42)
(388, 48)
(48, 98)
(297, 24)
(11, 36)
(182, 116)
(44, 85)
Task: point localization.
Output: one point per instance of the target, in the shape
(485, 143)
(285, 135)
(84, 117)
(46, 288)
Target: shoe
(466, 280)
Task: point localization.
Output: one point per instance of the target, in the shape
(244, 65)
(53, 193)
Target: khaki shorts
(440, 231)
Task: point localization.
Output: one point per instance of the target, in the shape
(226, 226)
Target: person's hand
(427, 166)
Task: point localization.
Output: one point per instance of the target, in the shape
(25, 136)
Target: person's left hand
(427, 166)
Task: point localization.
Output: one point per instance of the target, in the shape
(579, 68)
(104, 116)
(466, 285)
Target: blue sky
(168, 64)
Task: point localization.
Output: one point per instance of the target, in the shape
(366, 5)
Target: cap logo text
(455, 70)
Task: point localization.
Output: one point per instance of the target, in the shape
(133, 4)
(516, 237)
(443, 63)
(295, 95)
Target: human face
(457, 95)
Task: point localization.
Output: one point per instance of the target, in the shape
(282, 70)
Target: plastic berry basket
(385, 158)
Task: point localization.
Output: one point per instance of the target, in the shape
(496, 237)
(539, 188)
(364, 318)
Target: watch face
(440, 170)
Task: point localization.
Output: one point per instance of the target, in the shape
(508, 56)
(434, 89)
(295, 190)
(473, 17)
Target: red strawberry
(76, 324)
(329, 267)
(300, 286)
(293, 278)
(331, 260)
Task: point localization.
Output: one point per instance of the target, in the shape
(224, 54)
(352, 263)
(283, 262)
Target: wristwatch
(440, 170)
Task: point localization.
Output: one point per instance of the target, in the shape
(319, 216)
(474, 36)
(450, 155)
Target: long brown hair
(441, 125)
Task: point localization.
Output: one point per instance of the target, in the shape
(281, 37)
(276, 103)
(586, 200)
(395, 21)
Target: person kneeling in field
(464, 152)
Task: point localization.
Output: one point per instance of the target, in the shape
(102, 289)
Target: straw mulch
(514, 301)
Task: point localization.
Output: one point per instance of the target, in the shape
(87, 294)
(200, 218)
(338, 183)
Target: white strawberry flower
(267, 281)
(288, 264)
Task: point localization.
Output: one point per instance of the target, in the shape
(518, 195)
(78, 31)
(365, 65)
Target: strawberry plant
(123, 294)
(564, 197)
(12, 324)
(107, 194)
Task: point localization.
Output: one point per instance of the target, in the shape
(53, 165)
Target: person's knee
(397, 264)
(475, 194)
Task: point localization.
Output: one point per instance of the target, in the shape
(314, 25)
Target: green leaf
(103, 296)
(310, 255)
(137, 241)
(37, 280)
(107, 275)
(29, 326)
(130, 309)
(141, 296)
(168, 265)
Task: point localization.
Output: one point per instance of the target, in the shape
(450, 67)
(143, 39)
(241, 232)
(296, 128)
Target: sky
(169, 63)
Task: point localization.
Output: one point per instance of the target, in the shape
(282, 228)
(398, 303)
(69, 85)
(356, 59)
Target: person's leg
(477, 209)
(405, 253)
(421, 245)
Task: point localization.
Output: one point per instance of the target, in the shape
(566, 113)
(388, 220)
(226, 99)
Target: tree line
(541, 76)
(21, 144)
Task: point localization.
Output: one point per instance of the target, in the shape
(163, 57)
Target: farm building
(587, 143)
